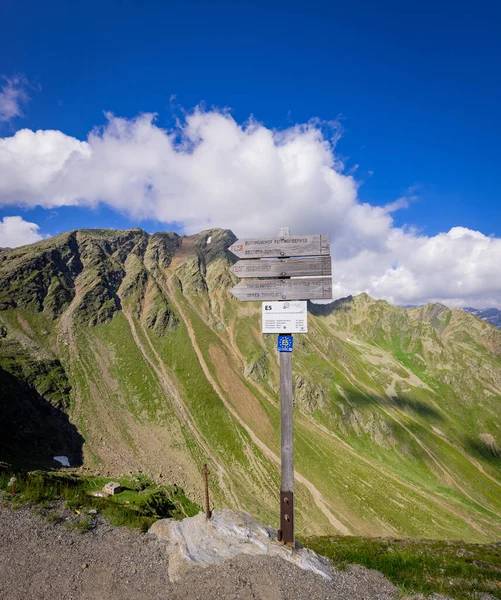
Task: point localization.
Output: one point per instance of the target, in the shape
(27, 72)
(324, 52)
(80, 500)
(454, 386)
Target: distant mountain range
(491, 315)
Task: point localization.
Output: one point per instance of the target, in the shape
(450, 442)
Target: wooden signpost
(306, 257)
(319, 288)
(282, 246)
(314, 266)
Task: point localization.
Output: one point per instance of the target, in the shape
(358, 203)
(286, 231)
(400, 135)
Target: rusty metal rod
(205, 472)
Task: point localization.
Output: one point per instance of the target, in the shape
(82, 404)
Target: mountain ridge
(135, 340)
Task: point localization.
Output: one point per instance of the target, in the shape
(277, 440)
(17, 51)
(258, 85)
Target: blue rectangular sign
(285, 343)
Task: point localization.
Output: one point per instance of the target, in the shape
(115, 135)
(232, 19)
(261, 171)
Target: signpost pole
(299, 270)
(286, 442)
(287, 450)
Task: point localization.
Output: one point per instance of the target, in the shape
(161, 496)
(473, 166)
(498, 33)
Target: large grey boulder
(196, 541)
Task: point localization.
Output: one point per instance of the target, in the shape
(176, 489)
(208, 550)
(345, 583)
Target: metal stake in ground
(205, 472)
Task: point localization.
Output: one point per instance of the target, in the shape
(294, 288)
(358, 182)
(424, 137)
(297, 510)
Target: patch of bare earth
(240, 396)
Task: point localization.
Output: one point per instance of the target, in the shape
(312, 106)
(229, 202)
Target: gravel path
(40, 560)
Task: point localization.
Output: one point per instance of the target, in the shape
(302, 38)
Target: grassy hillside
(451, 569)
(137, 339)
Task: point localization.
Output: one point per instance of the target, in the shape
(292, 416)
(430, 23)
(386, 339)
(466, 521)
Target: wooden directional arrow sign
(283, 267)
(279, 247)
(319, 288)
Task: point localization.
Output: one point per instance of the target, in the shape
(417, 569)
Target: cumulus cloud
(459, 268)
(15, 231)
(12, 97)
(211, 171)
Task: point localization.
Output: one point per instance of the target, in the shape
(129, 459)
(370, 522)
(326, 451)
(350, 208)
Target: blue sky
(415, 88)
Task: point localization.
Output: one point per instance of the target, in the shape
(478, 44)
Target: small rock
(112, 488)
(85, 566)
(92, 511)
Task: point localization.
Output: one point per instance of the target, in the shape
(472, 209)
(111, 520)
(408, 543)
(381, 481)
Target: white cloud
(12, 97)
(213, 172)
(15, 231)
(459, 268)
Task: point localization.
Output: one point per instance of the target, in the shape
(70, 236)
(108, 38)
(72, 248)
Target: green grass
(52, 518)
(203, 402)
(80, 525)
(139, 387)
(138, 506)
(457, 569)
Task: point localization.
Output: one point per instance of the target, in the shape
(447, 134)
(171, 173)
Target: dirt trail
(183, 412)
(468, 457)
(443, 504)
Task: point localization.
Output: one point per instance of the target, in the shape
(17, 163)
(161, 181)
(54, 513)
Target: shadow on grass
(402, 402)
(421, 408)
(32, 430)
(481, 449)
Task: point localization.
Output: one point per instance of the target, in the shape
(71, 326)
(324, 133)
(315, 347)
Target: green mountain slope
(137, 340)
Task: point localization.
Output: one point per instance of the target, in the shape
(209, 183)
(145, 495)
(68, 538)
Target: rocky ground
(42, 557)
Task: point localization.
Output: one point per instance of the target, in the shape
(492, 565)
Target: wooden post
(286, 442)
(287, 450)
